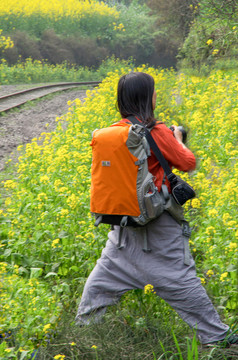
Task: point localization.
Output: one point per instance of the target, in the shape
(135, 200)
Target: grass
(117, 339)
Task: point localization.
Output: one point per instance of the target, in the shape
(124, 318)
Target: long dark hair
(134, 96)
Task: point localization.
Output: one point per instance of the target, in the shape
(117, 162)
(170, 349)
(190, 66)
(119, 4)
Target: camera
(183, 131)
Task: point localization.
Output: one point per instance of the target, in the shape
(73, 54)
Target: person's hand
(178, 135)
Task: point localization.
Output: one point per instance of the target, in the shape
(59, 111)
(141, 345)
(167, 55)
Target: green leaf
(24, 354)
(51, 274)
(36, 272)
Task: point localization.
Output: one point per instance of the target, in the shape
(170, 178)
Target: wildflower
(210, 230)
(42, 196)
(210, 273)
(149, 289)
(213, 213)
(225, 217)
(46, 327)
(196, 203)
(8, 201)
(203, 281)
(232, 246)
(209, 42)
(55, 242)
(72, 343)
(10, 184)
(231, 223)
(44, 179)
(64, 212)
(72, 201)
(58, 182)
(223, 276)
(215, 52)
(94, 347)
(59, 357)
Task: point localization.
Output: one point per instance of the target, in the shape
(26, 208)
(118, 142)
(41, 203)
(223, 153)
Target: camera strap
(163, 162)
(186, 231)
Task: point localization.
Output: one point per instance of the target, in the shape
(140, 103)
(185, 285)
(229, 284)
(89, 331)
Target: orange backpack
(122, 188)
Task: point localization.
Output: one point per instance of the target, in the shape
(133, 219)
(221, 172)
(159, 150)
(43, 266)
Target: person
(120, 270)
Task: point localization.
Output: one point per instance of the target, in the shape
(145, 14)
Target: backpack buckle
(98, 220)
(186, 229)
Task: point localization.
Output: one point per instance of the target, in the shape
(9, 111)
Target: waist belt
(186, 233)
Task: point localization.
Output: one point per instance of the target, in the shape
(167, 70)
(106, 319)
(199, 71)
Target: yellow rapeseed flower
(210, 230)
(213, 213)
(223, 276)
(149, 289)
(195, 203)
(59, 357)
(210, 273)
(226, 217)
(233, 245)
(46, 327)
(215, 52)
(209, 42)
(55, 242)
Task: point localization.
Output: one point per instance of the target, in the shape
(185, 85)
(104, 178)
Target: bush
(24, 47)
(213, 36)
(87, 32)
(56, 50)
(86, 51)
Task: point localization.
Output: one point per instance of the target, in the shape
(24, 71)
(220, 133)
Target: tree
(175, 16)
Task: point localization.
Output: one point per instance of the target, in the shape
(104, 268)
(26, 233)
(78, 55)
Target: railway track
(11, 101)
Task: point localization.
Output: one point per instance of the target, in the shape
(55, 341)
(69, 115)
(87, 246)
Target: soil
(21, 126)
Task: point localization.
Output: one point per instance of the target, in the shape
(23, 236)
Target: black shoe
(230, 340)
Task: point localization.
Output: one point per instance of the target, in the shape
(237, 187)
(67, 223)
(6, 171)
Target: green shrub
(213, 36)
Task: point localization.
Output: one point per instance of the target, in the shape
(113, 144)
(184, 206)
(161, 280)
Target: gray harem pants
(118, 271)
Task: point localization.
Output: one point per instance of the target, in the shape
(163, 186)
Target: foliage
(138, 35)
(213, 35)
(89, 16)
(213, 118)
(79, 32)
(46, 228)
(19, 295)
(175, 16)
(40, 71)
(5, 42)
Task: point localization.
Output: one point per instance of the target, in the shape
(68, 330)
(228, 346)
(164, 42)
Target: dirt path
(19, 127)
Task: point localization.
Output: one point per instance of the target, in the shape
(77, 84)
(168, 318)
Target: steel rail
(41, 90)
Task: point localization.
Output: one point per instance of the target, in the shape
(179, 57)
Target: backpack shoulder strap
(163, 162)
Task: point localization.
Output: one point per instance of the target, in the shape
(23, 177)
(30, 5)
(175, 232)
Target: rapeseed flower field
(65, 17)
(49, 243)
